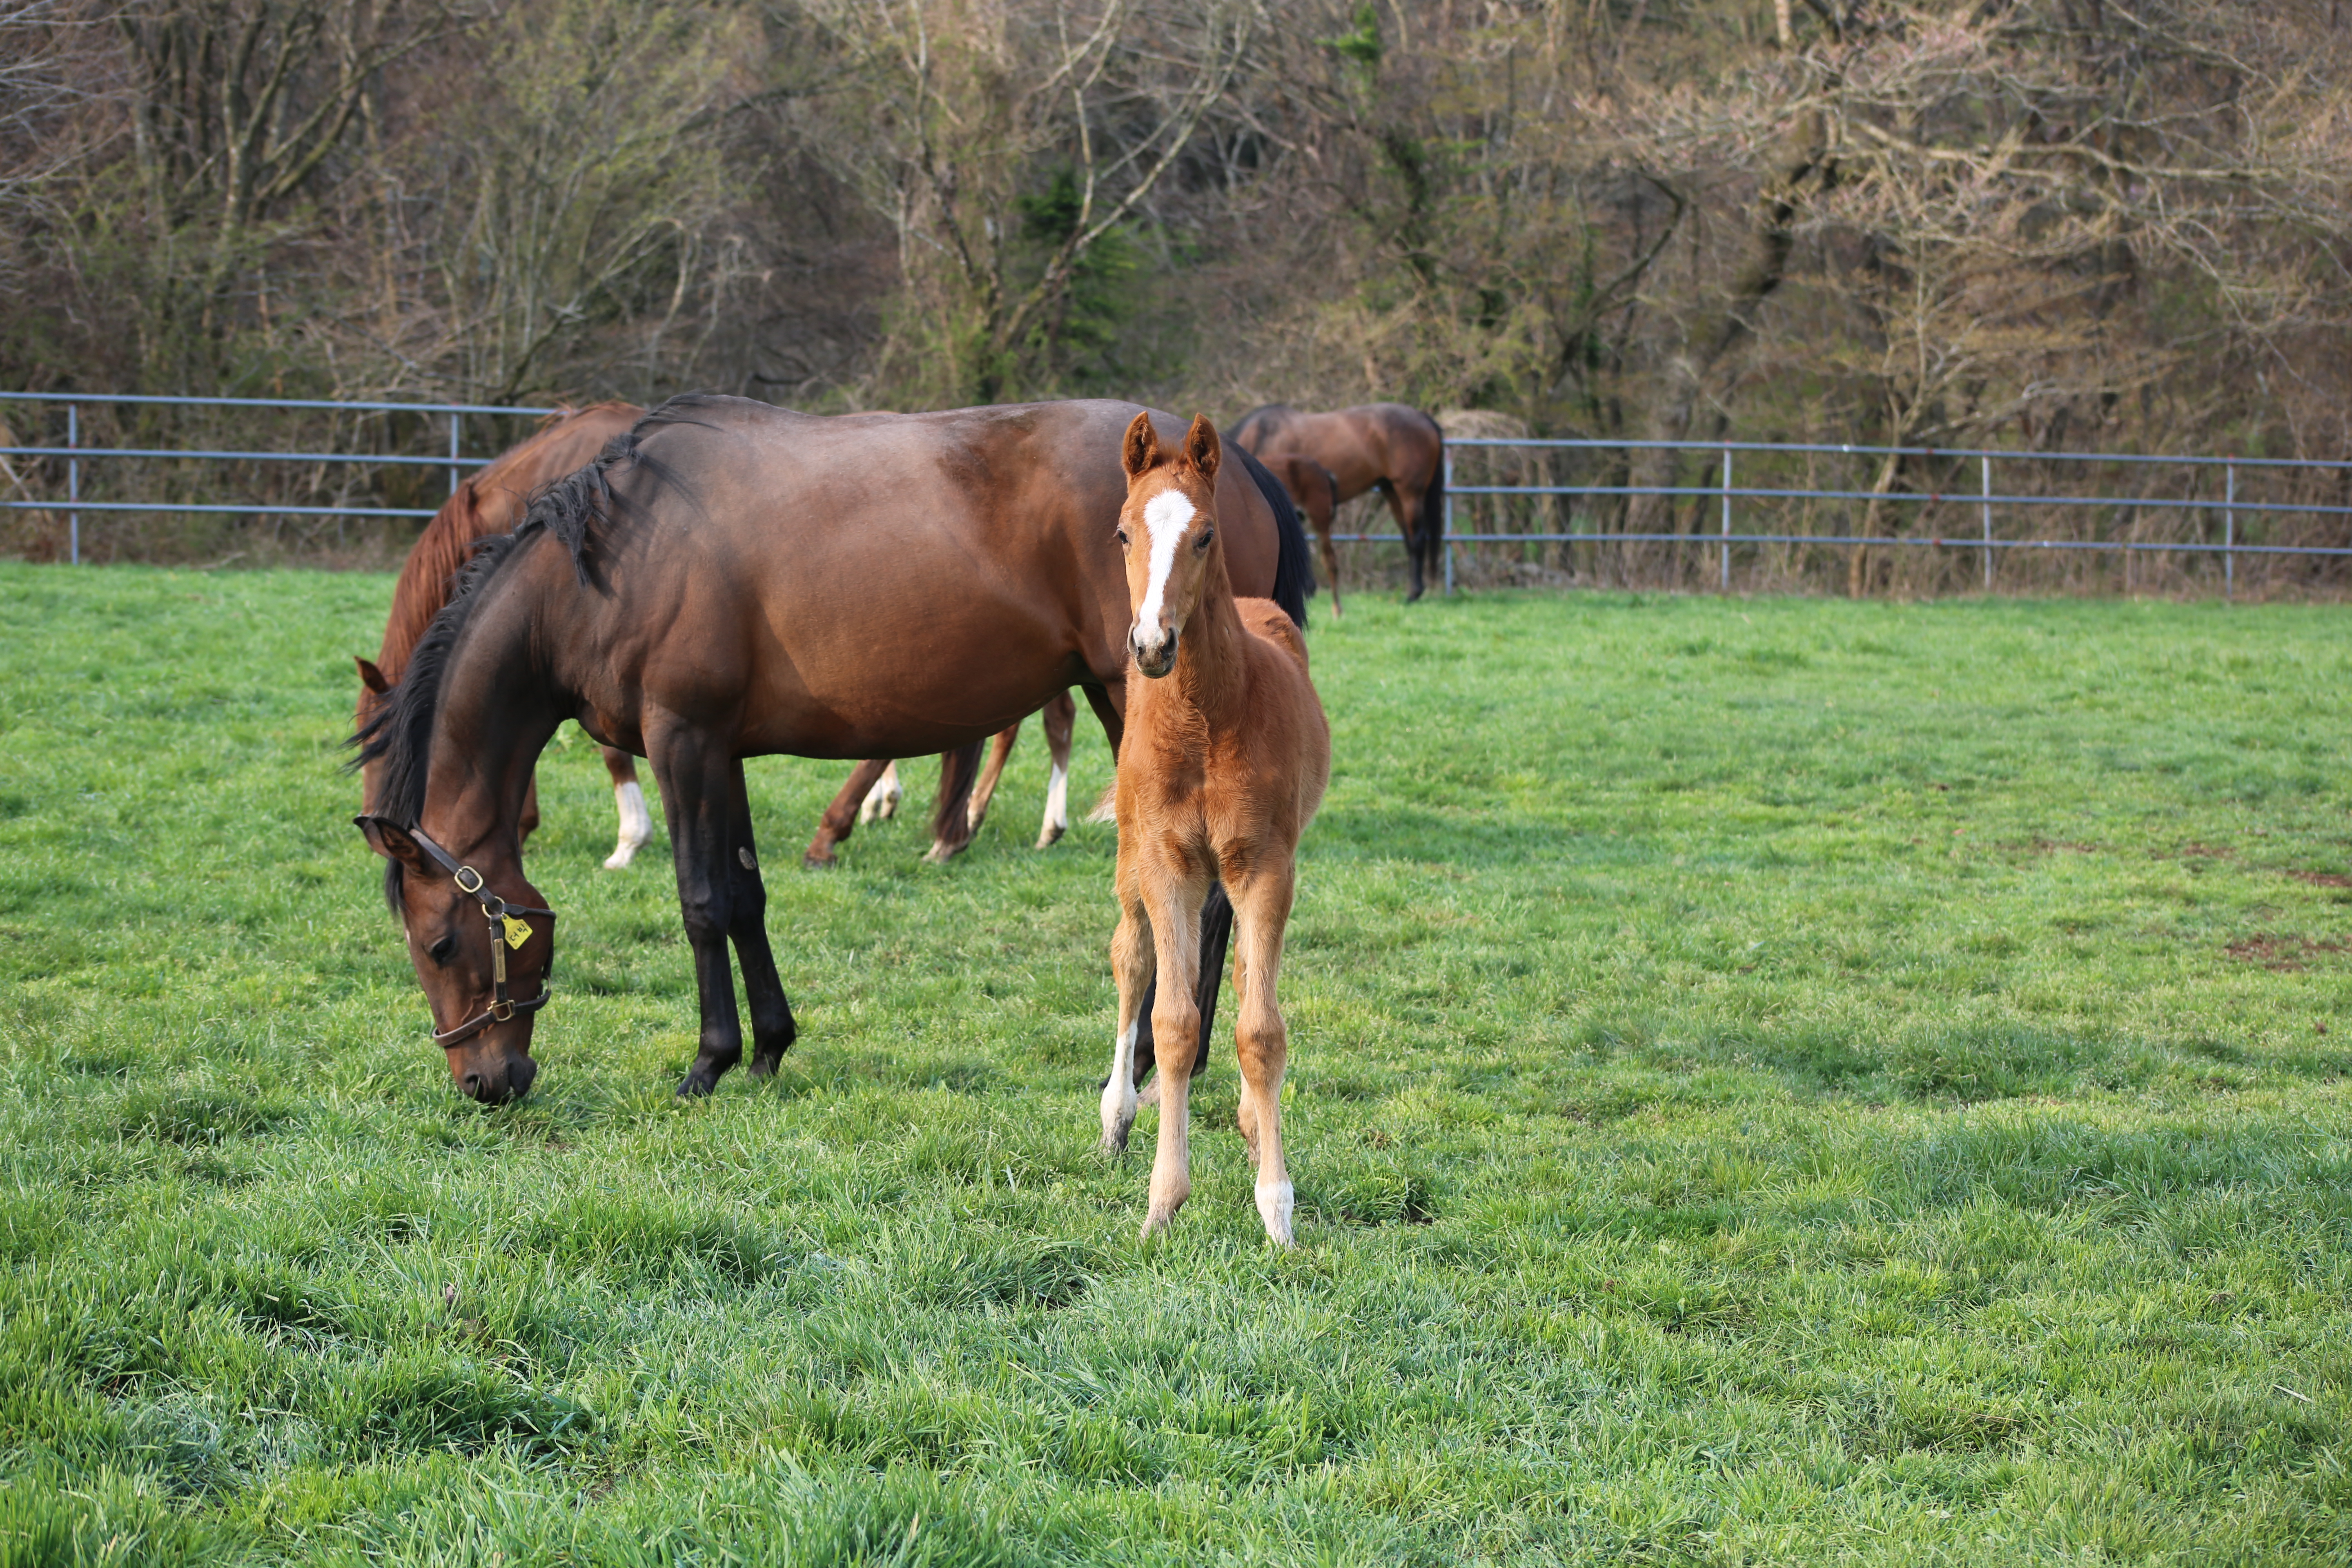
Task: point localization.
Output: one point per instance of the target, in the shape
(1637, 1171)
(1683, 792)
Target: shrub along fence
(113, 478)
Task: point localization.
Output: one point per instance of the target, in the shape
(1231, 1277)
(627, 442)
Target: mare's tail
(1294, 570)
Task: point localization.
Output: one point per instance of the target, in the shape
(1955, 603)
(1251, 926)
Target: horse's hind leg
(881, 802)
(951, 822)
(1316, 490)
(1262, 907)
(772, 1029)
(840, 818)
(1061, 716)
(1405, 522)
(700, 788)
(985, 790)
(637, 824)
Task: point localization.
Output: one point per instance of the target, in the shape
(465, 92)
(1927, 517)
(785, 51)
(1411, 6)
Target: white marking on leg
(636, 825)
(881, 803)
(1274, 1206)
(1119, 1094)
(1169, 515)
(1057, 807)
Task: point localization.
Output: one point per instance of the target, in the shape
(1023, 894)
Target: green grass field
(1772, 1081)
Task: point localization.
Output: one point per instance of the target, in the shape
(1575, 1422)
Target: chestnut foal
(1220, 772)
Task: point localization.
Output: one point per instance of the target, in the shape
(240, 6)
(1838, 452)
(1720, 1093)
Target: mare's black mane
(1294, 568)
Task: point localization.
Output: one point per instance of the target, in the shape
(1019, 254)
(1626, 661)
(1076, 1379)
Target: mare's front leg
(1415, 548)
(772, 1029)
(1262, 910)
(636, 823)
(841, 818)
(1318, 493)
(699, 786)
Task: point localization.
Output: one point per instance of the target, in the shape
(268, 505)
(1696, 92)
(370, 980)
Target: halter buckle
(502, 1016)
(463, 886)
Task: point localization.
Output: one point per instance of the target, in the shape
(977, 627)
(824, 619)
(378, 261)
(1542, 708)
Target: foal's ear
(393, 842)
(1201, 446)
(371, 677)
(1140, 449)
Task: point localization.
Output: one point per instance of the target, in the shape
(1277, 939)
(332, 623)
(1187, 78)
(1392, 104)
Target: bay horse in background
(730, 579)
(492, 502)
(1226, 757)
(1326, 460)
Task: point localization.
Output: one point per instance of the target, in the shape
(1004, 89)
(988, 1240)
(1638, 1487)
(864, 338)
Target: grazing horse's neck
(498, 707)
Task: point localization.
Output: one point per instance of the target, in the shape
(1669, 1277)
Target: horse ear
(393, 842)
(371, 677)
(1201, 445)
(1141, 450)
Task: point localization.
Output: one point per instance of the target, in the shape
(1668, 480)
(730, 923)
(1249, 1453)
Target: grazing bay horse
(492, 502)
(1225, 759)
(1326, 460)
(731, 580)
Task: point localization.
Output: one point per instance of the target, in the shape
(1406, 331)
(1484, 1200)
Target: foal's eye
(440, 950)
(1206, 535)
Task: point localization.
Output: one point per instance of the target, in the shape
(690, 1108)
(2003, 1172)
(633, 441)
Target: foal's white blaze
(636, 825)
(1119, 1094)
(1168, 517)
(1057, 807)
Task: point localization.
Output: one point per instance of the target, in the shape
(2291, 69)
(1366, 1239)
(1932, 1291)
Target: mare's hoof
(1048, 838)
(942, 852)
(818, 862)
(697, 1084)
(765, 1064)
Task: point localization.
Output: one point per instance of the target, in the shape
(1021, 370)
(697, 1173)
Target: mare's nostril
(474, 1085)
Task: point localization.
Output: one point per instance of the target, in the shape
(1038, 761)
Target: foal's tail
(1294, 571)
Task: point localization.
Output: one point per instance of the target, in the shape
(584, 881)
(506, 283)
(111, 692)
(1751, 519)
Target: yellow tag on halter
(516, 932)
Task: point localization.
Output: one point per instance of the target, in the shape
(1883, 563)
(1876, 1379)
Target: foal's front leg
(1132, 964)
(1176, 1034)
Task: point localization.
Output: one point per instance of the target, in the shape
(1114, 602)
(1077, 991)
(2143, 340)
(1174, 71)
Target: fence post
(73, 484)
(1984, 490)
(455, 425)
(1727, 520)
(1445, 517)
(2230, 535)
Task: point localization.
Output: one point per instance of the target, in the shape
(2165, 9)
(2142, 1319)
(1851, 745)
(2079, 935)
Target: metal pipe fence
(1597, 502)
(1605, 499)
(76, 451)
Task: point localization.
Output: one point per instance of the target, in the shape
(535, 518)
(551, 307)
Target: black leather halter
(495, 909)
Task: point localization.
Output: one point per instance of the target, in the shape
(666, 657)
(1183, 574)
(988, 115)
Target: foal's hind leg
(772, 1029)
(1262, 907)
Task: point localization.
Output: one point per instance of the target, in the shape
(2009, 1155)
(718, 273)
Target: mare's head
(450, 941)
(1168, 530)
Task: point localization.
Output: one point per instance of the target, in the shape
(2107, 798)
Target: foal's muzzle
(1154, 660)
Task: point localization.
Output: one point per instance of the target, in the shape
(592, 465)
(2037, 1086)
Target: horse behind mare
(1326, 460)
(732, 580)
(1226, 757)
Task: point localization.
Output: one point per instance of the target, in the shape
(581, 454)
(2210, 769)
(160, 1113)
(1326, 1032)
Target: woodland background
(2040, 224)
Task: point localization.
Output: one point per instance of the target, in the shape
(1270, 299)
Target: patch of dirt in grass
(2283, 953)
(2053, 846)
(2323, 879)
